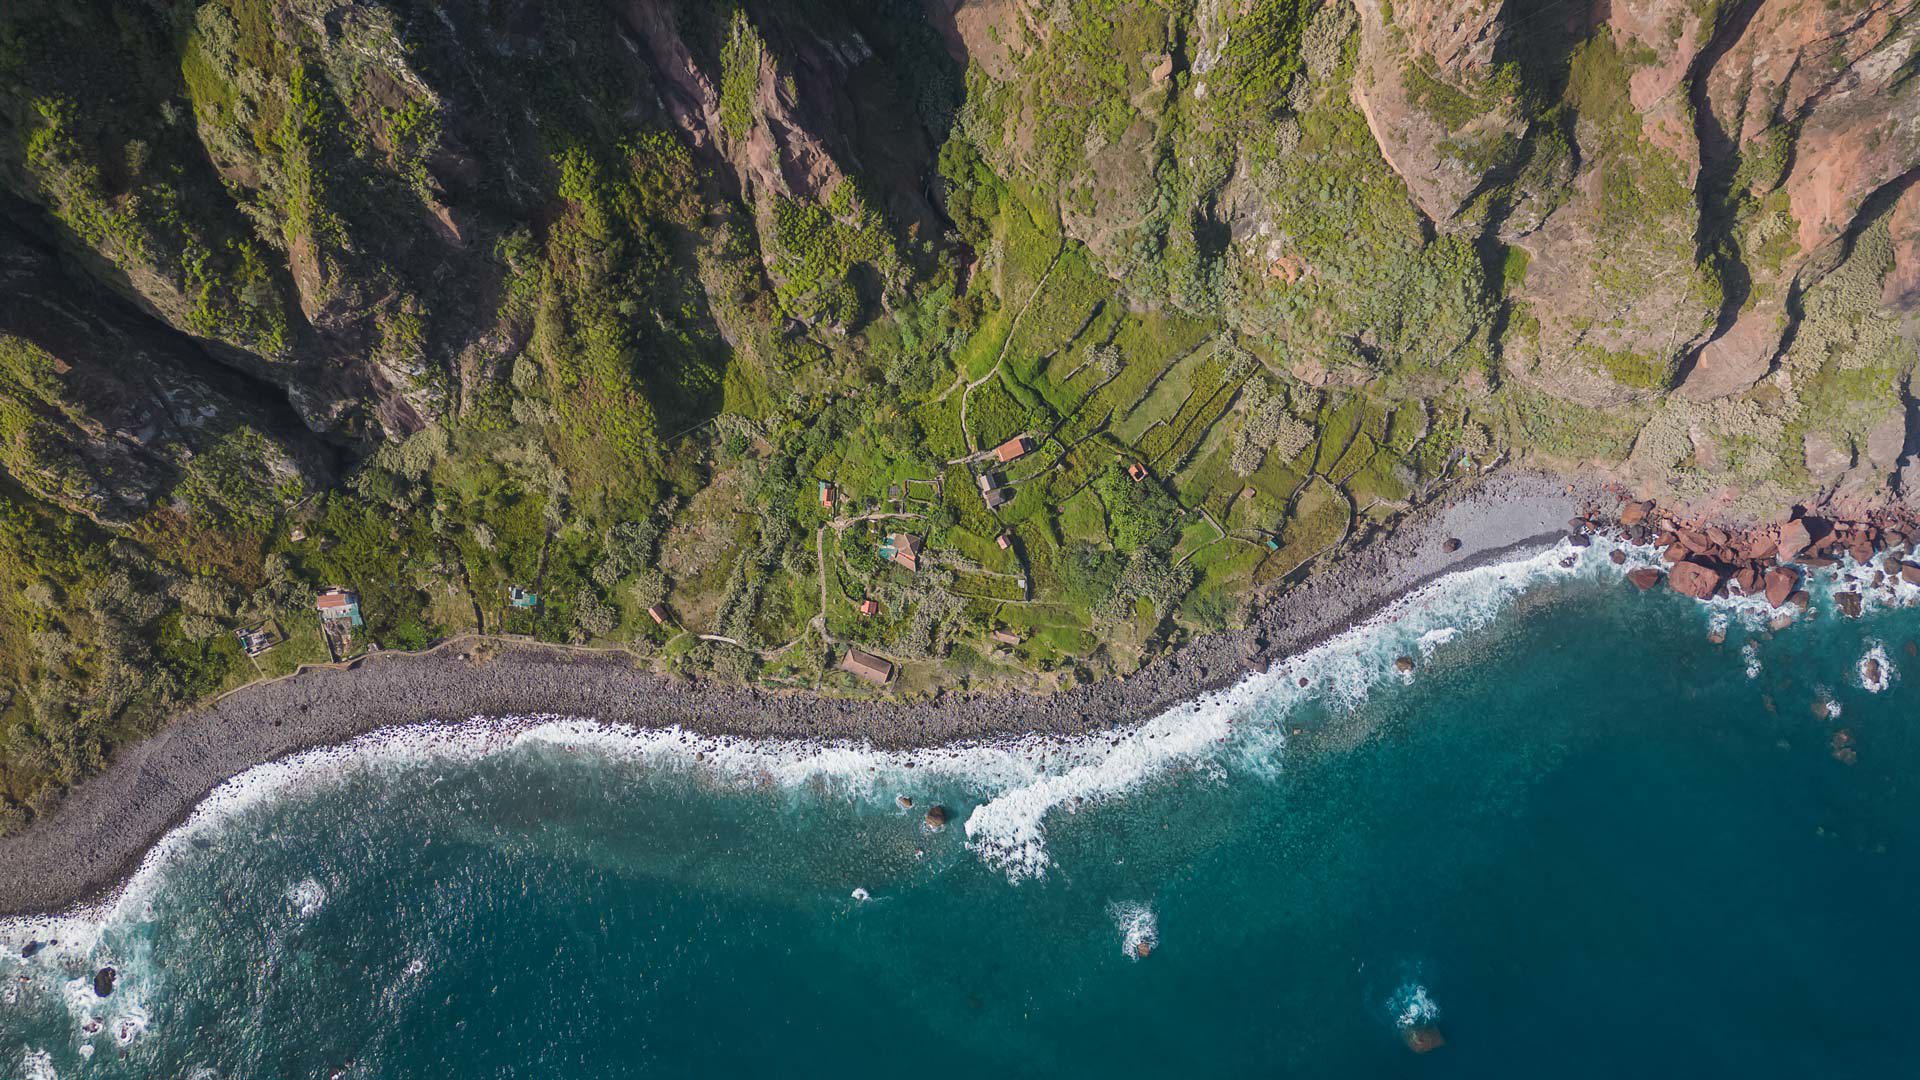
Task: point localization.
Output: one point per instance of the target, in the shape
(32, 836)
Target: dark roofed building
(999, 497)
(868, 666)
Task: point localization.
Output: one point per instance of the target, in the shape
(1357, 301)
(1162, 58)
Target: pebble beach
(99, 834)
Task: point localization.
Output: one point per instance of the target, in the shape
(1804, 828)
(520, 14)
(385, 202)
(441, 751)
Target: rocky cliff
(484, 292)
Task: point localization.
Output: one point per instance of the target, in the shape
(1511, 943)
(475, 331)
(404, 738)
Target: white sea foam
(307, 896)
(1412, 1006)
(37, 1065)
(1019, 782)
(1750, 653)
(1138, 926)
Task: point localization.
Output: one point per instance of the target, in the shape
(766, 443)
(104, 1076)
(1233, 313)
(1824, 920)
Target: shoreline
(102, 830)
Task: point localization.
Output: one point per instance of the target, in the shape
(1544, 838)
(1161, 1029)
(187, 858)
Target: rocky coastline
(1705, 560)
(98, 835)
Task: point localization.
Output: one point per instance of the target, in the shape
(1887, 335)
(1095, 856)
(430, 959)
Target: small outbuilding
(257, 639)
(998, 497)
(1005, 637)
(869, 607)
(1137, 471)
(867, 666)
(1003, 541)
(828, 493)
(658, 613)
(522, 597)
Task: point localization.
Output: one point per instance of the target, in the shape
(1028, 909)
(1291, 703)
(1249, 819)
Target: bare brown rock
(1781, 583)
(1423, 1038)
(1794, 538)
(1689, 578)
(1644, 578)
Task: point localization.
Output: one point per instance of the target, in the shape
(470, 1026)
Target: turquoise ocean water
(1582, 839)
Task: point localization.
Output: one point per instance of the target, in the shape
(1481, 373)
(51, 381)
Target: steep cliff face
(597, 293)
(105, 414)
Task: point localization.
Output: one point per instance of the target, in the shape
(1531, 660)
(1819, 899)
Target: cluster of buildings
(994, 489)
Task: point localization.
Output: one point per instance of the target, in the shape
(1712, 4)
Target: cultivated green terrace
(1007, 342)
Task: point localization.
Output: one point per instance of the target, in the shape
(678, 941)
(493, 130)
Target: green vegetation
(445, 311)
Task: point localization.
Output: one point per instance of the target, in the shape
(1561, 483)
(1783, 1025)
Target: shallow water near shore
(1581, 837)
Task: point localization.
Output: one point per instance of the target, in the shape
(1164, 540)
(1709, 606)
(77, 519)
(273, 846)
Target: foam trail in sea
(1139, 928)
(1019, 781)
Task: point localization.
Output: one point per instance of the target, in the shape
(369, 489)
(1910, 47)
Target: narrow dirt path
(1006, 343)
(820, 557)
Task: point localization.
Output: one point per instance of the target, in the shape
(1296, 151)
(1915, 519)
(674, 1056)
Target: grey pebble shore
(99, 833)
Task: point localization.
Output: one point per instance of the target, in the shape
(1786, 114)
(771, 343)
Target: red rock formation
(1794, 539)
(1781, 583)
(1689, 578)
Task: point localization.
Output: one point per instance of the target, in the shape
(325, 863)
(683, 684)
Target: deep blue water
(1581, 832)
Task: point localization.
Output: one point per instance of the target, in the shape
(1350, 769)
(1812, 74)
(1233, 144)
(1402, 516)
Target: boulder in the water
(1619, 557)
(936, 817)
(30, 948)
(103, 981)
(1143, 948)
(904, 802)
(1848, 603)
(1644, 578)
(1423, 1038)
(1403, 665)
(1451, 545)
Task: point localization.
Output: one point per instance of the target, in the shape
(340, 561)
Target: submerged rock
(1423, 1038)
(1644, 578)
(1403, 664)
(1848, 603)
